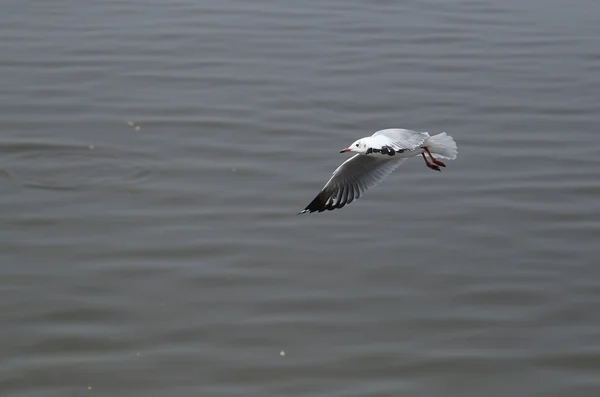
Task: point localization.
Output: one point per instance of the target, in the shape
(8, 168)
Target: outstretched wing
(399, 139)
(350, 180)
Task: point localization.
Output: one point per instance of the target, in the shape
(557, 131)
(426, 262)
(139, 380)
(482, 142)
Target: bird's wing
(351, 179)
(398, 139)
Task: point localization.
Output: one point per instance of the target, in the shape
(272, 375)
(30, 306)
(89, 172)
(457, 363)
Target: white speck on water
(131, 123)
(137, 127)
(89, 387)
(282, 353)
(91, 147)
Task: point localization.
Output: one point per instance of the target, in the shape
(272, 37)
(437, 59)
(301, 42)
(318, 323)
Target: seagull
(376, 157)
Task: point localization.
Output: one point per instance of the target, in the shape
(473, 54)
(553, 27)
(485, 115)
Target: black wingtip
(319, 204)
(307, 210)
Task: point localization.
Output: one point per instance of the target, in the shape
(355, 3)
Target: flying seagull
(376, 157)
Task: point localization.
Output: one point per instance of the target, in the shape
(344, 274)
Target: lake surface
(154, 155)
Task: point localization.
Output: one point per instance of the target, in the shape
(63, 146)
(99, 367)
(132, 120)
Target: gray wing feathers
(399, 138)
(351, 180)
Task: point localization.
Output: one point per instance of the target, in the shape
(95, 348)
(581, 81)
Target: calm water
(153, 157)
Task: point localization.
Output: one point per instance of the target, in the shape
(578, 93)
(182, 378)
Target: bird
(377, 156)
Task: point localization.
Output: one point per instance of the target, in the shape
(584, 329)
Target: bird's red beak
(345, 150)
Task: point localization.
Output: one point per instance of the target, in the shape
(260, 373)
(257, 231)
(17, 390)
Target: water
(153, 157)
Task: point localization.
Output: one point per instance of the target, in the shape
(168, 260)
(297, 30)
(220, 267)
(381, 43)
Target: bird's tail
(442, 146)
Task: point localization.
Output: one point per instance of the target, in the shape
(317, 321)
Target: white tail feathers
(442, 146)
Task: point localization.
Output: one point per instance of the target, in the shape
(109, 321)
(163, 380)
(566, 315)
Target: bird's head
(359, 146)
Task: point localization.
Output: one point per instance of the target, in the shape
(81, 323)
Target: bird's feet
(433, 159)
(429, 165)
(437, 162)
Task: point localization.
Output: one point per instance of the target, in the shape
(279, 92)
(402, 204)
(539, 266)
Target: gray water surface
(153, 157)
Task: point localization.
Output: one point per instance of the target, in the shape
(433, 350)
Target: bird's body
(377, 157)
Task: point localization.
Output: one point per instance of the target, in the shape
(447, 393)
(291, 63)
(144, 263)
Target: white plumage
(377, 157)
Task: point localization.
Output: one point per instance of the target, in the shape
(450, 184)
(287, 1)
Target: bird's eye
(357, 145)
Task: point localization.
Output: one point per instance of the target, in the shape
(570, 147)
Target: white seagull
(377, 156)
